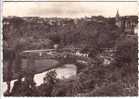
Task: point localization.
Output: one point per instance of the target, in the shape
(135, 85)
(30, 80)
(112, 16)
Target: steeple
(117, 19)
(117, 14)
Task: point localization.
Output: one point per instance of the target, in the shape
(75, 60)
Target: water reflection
(66, 71)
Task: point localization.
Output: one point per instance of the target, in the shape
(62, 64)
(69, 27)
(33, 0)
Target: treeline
(95, 31)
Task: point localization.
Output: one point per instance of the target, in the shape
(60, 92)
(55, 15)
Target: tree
(126, 50)
(47, 87)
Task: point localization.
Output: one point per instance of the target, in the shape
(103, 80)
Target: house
(127, 24)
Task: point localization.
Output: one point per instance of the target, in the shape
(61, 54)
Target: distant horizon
(69, 9)
(67, 17)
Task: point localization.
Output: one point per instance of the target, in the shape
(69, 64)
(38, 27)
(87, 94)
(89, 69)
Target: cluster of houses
(54, 21)
(78, 53)
(128, 24)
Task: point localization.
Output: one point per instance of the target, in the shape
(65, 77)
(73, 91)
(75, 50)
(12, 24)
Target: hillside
(62, 31)
(98, 37)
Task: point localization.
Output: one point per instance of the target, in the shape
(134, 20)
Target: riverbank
(64, 72)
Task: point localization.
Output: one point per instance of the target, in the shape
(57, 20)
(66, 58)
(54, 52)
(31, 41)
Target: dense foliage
(96, 79)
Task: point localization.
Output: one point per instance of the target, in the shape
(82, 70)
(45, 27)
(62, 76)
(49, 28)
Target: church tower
(118, 19)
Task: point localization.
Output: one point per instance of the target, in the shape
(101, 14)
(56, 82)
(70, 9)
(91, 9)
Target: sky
(69, 9)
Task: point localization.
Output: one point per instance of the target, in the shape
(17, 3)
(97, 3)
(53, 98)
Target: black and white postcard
(69, 48)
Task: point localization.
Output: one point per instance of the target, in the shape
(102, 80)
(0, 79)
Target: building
(118, 22)
(127, 24)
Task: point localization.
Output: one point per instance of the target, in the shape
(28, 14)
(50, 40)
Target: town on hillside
(53, 56)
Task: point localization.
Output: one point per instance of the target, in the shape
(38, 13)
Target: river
(66, 71)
